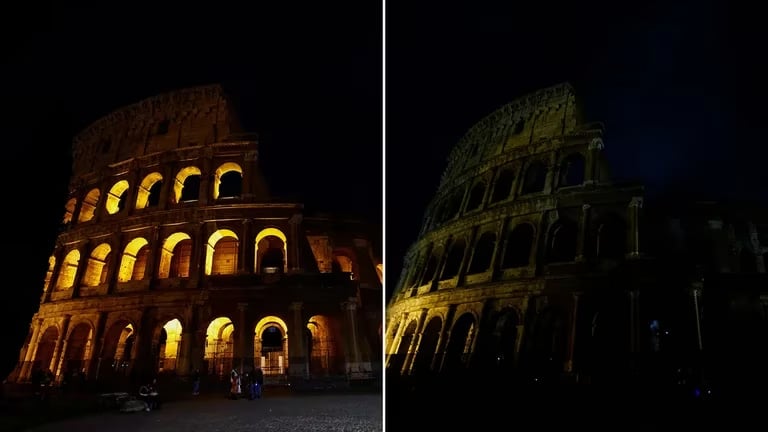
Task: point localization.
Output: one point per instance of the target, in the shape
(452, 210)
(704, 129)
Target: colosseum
(173, 256)
(529, 261)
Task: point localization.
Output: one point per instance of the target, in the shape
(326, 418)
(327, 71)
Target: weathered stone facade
(173, 256)
(528, 252)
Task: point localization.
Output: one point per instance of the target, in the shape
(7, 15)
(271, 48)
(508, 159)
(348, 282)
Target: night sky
(678, 85)
(308, 83)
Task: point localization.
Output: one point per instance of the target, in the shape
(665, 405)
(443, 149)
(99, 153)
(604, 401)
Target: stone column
(572, 336)
(241, 308)
(413, 350)
(355, 361)
(59, 256)
(247, 248)
(134, 182)
(634, 226)
(153, 258)
(29, 355)
(82, 266)
(445, 337)
(206, 191)
(115, 257)
(61, 345)
(581, 245)
(292, 264)
(167, 187)
(184, 361)
(197, 260)
(297, 367)
(591, 164)
(97, 344)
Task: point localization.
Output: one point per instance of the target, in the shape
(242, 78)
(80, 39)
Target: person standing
(196, 382)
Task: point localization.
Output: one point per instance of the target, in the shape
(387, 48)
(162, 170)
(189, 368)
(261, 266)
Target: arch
(219, 346)
(535, 178)
(425, 356)
(451, 205)
(118, 350)
(169, 342)
(572, 170)
(476, 195)
(221, 252)
(68, 270)
(69, 210)
(116, 197)
(175, 256)
(228, 181)
(184, 184)
(78, 348)
(429, 273)
(483, 253)
(505, 337)
(611, 239)
(46, 346)
(148, 193)
(502, 189)
(324, 346)
(562, 242)
(457, 351)
(517, 251)
(270, 232)
(453, 261)
(548, 343)
(88, 208)
(270, 345)
(96, 272)
(134, 260)
(397, 360)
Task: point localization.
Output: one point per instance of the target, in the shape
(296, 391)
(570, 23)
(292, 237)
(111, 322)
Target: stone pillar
(97, 344)
(591, 164)
(61, 346)
(134, 182)
(552, 168)
(583, 233)
(413, 350)
(241, 332)
(297, 364)
(197, 260)
(82, 266)
(292, 264)
(572, 335)
(634, 226)
(356, 364)
(206, 190)
(59, 256)
(184, 361)
(167, 187)
(29, 355)
(445, 337)
(153, 258)
(113, 271)
(247, 248)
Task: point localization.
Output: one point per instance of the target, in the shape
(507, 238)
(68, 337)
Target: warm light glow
(173, 337)
(89, 205)
(345, 263)
(114, 197)
(223, 169)
(218, 340)
(181, 177)
(211, 247)
(142, 194)
(167, 251)
(129, 258)
(272, 362)
(266, 232)
(69, 210)
(95, 271)
(380, 272)
(49, 273)
(68, 270)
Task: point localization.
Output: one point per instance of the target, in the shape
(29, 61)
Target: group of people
(250, 382)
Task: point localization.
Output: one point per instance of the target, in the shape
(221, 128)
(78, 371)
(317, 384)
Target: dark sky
(308, 80)
(678, 85)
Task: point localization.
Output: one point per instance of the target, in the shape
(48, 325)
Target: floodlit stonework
(173, 256)
(519, 250)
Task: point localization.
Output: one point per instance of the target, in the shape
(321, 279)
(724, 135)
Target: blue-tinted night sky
(677, 84)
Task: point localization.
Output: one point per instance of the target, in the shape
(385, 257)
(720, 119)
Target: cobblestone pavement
(295, 413)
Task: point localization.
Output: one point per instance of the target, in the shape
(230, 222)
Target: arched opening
(271, 251)
(503, 187)
(517, 251)
(458, 350)
(450, 207)
(88, 208)
(45, 349)
(572, 170)
(69, 210)
(425, 356)
(323, 347)
(453, 261)
(271, 345)
(429, 274)
(221, 253)
(134, 261)
(562, 242)
(148, 193)
(117, 352)
(168, 345)
(78, 349)
(481, 258)
(175, 256)
(228, 181)
(535, 178)
(96, 272)
(219, 346)
(116, 197)
(397, 361)
(186, 185)
(68, 270)
(505, 338)
(476, 196)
